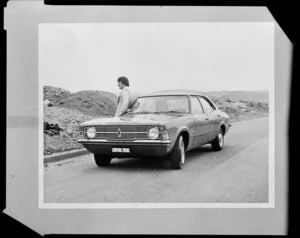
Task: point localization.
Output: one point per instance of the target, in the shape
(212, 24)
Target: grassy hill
(254, 96)
(222, 96)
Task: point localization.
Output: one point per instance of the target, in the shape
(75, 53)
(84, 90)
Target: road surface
(238, 173)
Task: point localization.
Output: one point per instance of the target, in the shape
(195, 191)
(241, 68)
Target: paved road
(238, 173)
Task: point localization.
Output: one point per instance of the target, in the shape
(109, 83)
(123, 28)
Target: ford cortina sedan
(158, 124)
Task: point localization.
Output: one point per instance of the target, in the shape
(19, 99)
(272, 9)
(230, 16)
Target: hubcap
(181, 145)
(220, 139)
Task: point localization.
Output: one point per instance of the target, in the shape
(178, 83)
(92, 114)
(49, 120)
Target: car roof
(173, 93)
(177, 93)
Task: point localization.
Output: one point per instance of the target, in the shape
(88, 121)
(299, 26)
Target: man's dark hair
(123, 80)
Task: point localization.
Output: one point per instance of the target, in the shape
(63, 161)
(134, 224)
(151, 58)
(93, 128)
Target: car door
(201, 129)
(213, 116)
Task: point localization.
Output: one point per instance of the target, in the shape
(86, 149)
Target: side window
(206, 105)
(195, 105)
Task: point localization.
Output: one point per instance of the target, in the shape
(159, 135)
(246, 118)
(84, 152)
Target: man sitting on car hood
(126, 98)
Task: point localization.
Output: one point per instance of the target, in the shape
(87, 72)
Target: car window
(195, 105)
(178, 105)
(161, 104)
(206, 105)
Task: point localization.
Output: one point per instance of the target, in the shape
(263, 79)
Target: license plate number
(121, 150)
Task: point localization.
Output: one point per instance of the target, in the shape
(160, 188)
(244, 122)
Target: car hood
(133, 119)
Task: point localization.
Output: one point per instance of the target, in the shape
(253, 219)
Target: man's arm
(118, 109)
(123, 104)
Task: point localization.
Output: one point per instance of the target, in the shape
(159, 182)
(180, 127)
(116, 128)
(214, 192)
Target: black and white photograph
(157, 113)
(147, 119)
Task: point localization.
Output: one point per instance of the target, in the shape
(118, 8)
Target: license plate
(121, 150)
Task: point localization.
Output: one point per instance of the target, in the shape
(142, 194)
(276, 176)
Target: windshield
(161, 104)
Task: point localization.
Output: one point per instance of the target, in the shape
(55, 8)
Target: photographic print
(157, 114)
(147, 119)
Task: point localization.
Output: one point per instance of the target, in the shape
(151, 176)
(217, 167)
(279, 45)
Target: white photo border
(271, 160)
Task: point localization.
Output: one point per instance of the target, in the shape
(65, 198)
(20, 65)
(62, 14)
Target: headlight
(153, 133)
(91, 132)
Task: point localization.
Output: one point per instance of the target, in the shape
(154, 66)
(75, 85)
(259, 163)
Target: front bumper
(138, 148)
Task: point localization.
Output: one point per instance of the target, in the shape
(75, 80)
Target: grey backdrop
(21, 23)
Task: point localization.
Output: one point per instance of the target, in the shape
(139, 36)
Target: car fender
(179, 131)
(225, 123)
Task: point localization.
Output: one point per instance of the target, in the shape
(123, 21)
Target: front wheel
(102, 160)
(177, 155)
(218, 143)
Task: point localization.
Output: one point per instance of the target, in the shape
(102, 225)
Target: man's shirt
(125, 100)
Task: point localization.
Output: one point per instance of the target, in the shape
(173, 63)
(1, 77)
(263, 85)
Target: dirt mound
(243, 109)
(68, 110)
(90, 102)
(55, 95)
(64, 117)
(68, 121)
(94, 103)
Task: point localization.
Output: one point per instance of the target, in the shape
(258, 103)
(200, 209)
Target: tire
(102, 160)
(218, 143)
(177, 155)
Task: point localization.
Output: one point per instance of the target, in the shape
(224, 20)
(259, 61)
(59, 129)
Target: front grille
(100, 132)
(122, 128)
(127, 132)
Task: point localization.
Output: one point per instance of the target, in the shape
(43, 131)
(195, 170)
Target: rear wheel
(102, 160)
(218, 143)
(177, 156)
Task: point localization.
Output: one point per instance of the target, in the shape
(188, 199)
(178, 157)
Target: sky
(157, 56)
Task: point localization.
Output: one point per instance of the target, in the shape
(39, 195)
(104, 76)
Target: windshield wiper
(141, 112)
(155, 112)
(172, 111)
